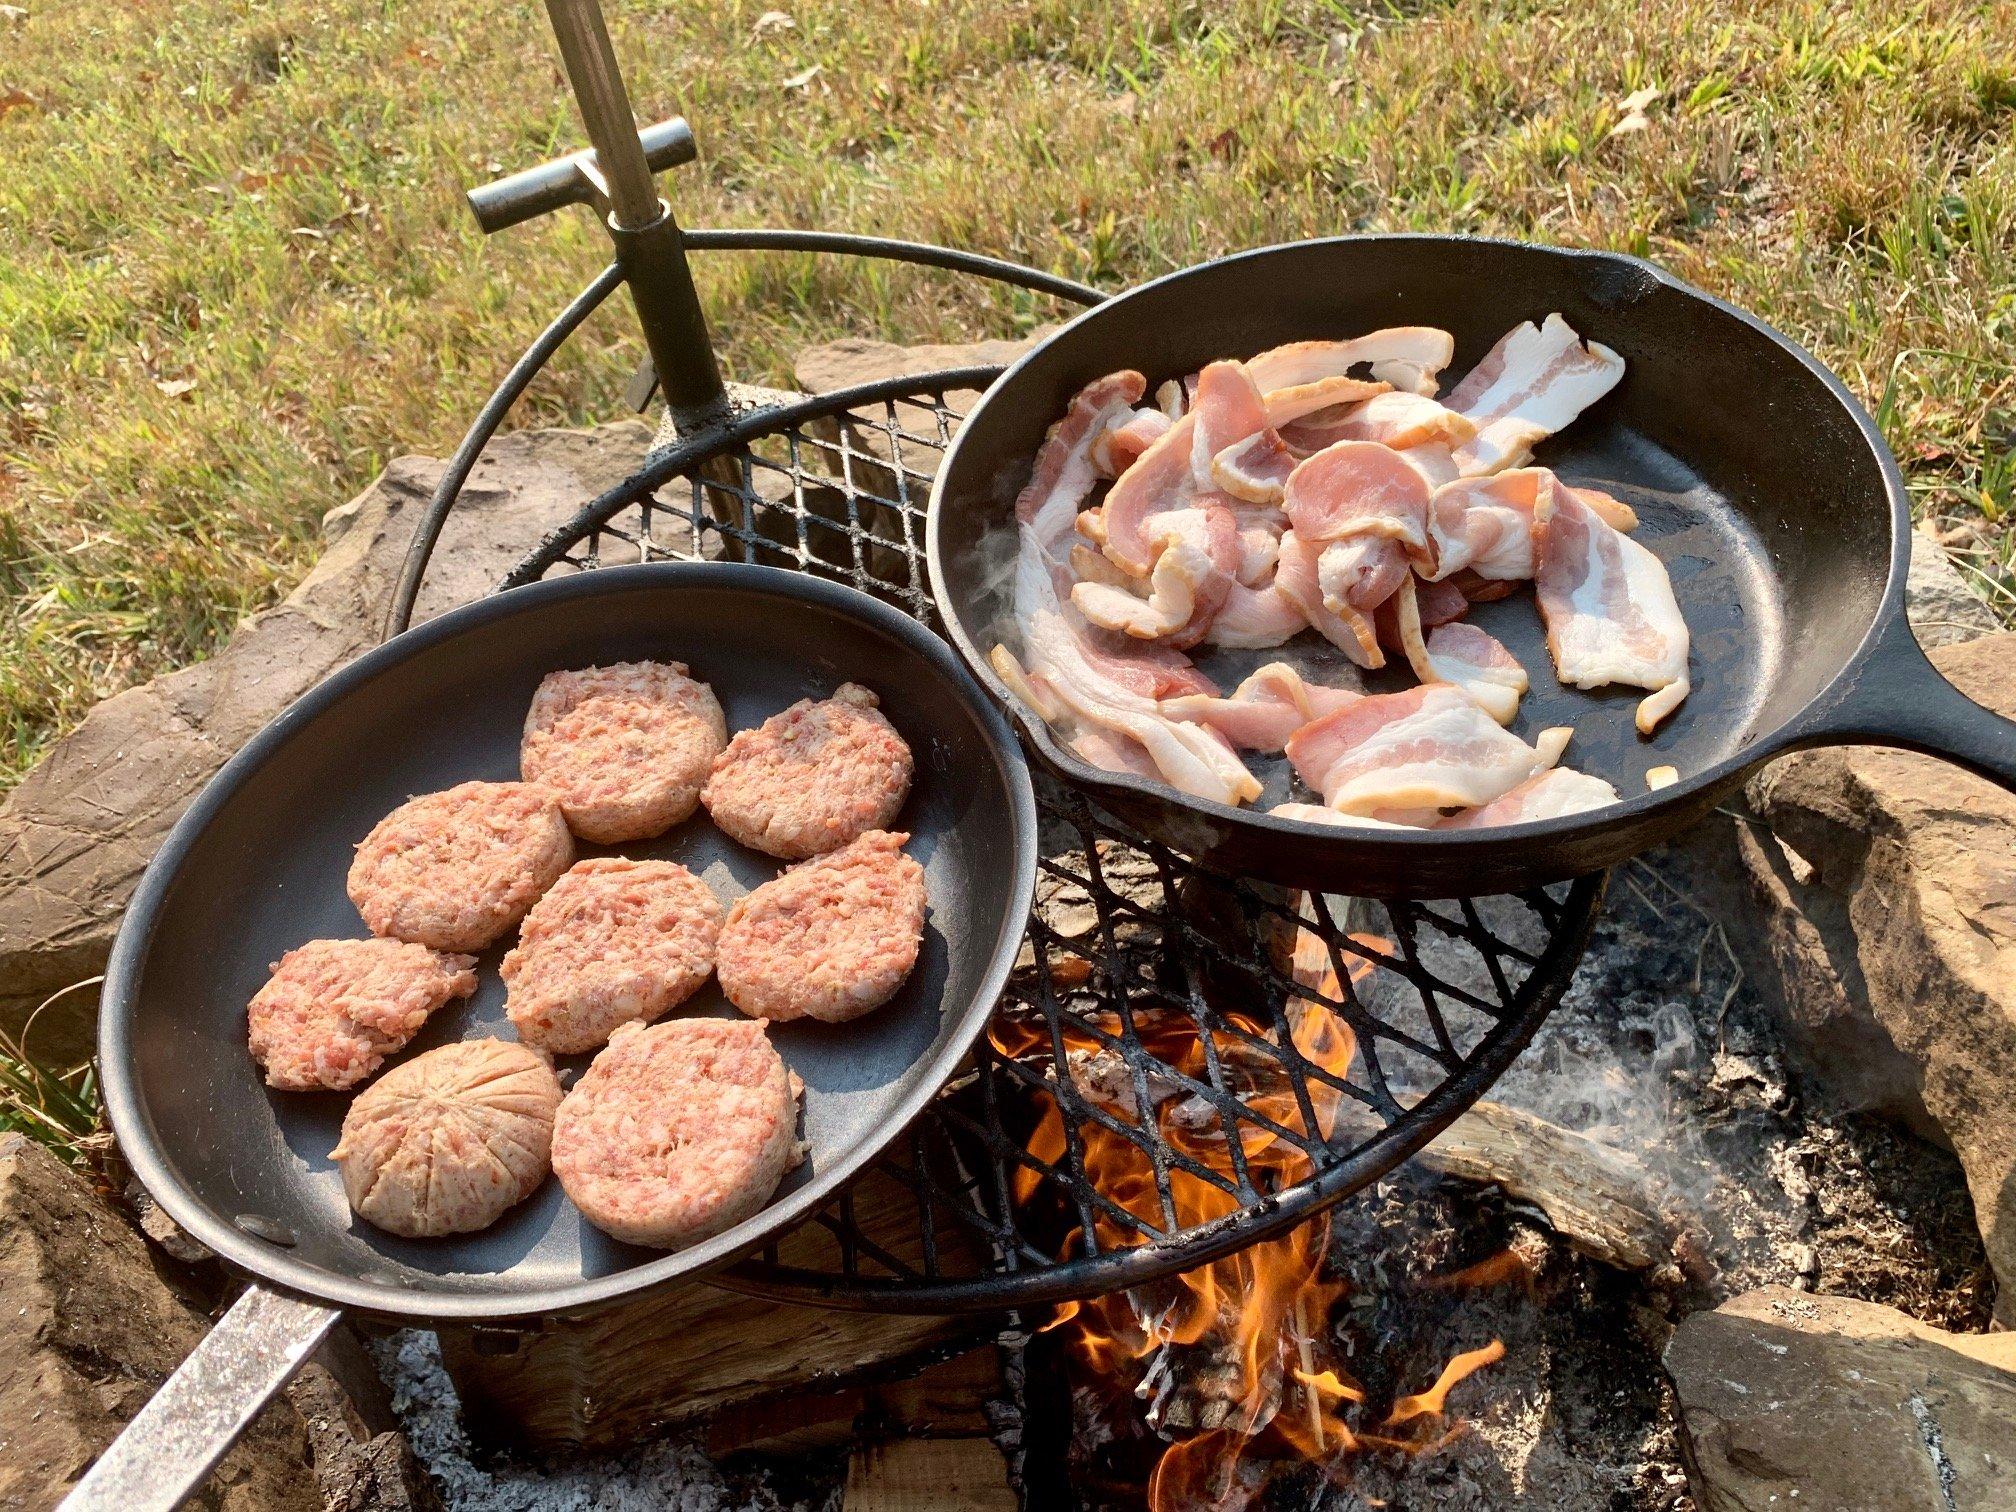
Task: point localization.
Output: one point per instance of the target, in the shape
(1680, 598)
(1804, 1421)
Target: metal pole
(648, 244)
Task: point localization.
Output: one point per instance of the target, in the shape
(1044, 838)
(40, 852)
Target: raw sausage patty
(677, 1131)
(455, 870)
(831, 938)
(334, 1009)
(447, 1142)
(615, 940)
(810, 779)
(626, 746)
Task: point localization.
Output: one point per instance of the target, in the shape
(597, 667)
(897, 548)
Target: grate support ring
(1162, 1084)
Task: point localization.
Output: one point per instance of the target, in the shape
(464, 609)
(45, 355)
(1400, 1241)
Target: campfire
(1235, 1365)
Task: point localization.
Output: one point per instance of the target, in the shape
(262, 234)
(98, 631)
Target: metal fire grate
(1133, 952)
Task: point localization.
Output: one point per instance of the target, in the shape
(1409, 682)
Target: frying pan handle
(177, 1438)
(1896, 697)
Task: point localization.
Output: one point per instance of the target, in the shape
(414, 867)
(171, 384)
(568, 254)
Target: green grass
(236, 276)
(58, 1108)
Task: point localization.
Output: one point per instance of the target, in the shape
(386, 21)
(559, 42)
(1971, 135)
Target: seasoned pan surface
(257, 866)
(1761, 484)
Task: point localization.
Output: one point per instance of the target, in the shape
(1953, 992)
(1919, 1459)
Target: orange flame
(1265, 1310)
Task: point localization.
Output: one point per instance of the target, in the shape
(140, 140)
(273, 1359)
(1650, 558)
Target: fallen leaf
(12, 13)
(1223, 145)
(1633, 116)
(771, 22)
(801, 80)
(17, 99)
(175, 388)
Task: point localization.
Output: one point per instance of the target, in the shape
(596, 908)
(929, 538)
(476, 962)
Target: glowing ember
(1256, 1325)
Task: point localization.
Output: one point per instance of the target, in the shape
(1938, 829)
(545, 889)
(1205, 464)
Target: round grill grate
(1184, 1063)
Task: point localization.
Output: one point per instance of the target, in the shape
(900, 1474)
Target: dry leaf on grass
(774, 21)
(802, 80)
(1633, 108)
(175, 388)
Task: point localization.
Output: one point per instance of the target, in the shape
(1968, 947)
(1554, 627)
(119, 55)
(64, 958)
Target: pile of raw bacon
(1258, 500)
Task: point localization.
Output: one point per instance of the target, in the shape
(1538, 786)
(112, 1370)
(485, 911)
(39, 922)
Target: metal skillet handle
(1896, 697)
(177, 1438)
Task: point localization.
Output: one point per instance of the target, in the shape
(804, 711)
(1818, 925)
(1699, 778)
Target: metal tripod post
(649, 247)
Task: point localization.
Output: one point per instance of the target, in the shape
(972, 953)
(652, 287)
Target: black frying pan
(257, 866)
(1760, 482)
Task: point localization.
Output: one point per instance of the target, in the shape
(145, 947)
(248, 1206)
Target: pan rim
(140, 1141)
(1675, 801)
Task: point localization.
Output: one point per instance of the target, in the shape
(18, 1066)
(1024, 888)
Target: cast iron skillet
(257, 866)
(1760, 482)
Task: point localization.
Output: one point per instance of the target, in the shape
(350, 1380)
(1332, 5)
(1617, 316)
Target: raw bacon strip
(1256, 469)
(1033, 691)
(1191, 758)
(1399, 420)
(1348, 629)
(1173, 398)
(1360, 573)
(1408, 357)
(1115, 753)
(1196, 562)
(1120, 445)
(1547, 796)
(1264, 710)
(1486, 524)
(1287, 405)
(1612, 510)
(1174, 473)
(1358, 488)
(1256, 619)
(1463, 657)
(1534, 382)
(1160, 481)
(1609, 607)
(1428, 748)
(1064, 471)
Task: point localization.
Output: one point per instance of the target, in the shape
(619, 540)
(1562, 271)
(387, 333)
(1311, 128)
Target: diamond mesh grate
(1184, 1062)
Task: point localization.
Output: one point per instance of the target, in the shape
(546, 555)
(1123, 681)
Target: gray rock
(1789, 1400)
(1942, 608)
(79, 830)
(1882, 928)
(91, 1332)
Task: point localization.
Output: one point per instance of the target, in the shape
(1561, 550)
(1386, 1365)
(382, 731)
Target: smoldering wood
(603, 1381)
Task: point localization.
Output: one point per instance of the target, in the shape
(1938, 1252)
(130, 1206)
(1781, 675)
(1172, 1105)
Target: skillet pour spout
(1760, 482)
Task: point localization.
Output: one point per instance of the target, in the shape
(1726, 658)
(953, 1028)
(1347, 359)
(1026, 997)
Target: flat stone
(1789, 1400)
(81, 827)
(1884, 932)
(1943, 609)
(91, 1332)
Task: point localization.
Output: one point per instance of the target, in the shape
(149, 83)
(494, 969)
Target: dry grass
(235, 274)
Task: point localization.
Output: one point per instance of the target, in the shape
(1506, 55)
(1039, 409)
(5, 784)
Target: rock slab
(1789, 1400)
(1885, 933)
(91, 1332)
(79, 830)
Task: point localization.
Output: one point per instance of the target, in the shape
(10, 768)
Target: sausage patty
(449, 1141)
(678, 1131)
(615, 940)
(626, 746)
(455, 870)
(334, 1009)
(831, 938)
(810, 779)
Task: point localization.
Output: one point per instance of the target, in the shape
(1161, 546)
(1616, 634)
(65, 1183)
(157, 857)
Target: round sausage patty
(455, 870)
(614, 941)
(626, 746)
(334, 1009)
(810, 779)
(449, 1141)
(831, 938)
(678, 1131)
